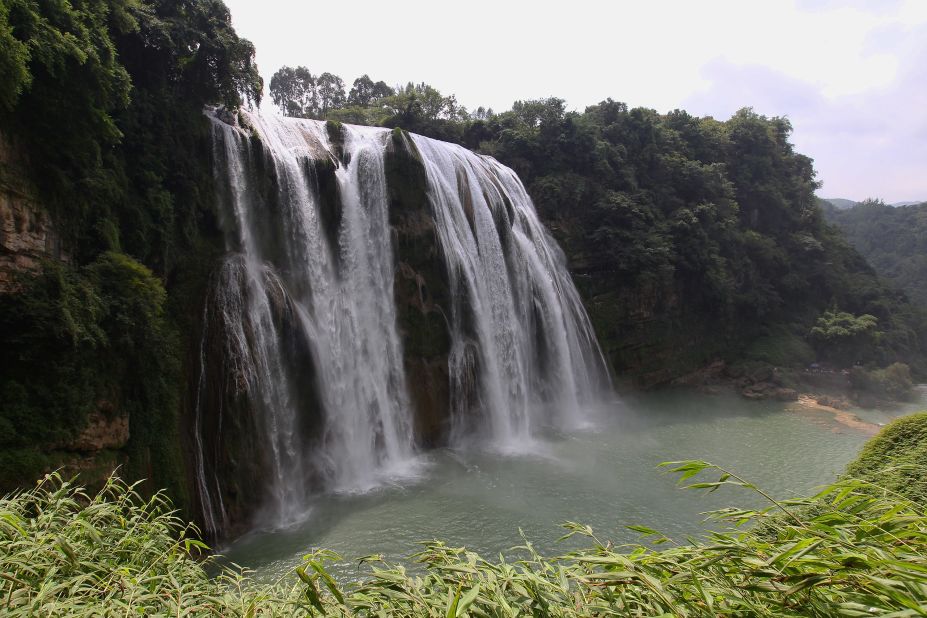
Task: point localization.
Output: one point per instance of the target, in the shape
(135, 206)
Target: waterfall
(517, 314)
(303, 375)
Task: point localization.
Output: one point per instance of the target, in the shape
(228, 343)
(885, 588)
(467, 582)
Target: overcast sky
(851, 75)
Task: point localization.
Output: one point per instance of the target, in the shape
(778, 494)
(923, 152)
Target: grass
(846, 551)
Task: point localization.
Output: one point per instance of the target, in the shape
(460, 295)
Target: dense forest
(893, 239)
(691, 239)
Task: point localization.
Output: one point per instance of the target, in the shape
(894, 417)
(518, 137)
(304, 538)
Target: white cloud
(847, 73)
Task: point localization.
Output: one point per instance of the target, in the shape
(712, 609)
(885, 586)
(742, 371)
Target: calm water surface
(606, 477)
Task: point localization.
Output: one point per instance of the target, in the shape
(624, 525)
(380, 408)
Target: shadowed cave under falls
(381, 293)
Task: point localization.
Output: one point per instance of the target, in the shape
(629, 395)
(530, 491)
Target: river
(605, 475)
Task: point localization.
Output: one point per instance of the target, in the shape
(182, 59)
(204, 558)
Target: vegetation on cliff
(892, 238)
(855, 549)
(104, 102)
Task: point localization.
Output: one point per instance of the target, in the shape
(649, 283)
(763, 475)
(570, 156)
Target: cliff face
(27, 234)
(650, 331)
(28, 238)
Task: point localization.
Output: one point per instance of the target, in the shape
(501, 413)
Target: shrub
(893, 382)
(896, 459)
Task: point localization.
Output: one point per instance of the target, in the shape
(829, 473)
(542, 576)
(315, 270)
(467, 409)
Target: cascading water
(303, 379)
(518, 322)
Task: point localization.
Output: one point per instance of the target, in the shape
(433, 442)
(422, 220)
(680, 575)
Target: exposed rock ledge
(764, 383)
(26, 232)
(101, 432)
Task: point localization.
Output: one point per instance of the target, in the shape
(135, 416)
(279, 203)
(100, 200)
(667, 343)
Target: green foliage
(63, 86)
(109, 115)
(893, 240)
(419, 108)
(82, 75)
(80, 340)
(300, 94)
(54, 326)
(14, 60)
(191, 45)
(895, 461)
(294, 92)
(839, 325)
(65, 553)
(717, 220)
(847, 550)
(365, 92)
(842, 336)
(781, 348)
(893, 382)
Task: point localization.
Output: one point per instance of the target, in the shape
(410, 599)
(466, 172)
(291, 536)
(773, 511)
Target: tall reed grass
(847, 551)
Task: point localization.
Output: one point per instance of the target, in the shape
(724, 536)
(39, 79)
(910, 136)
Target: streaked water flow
(301, 323)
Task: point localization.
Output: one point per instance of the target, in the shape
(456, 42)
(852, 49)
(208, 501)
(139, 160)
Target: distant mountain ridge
(841, 203)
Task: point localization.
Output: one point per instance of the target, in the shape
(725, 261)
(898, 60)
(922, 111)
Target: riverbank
(817, 386)
(810, 405)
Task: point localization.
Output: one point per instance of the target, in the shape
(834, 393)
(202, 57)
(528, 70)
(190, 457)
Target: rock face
(26, 231)
(422, 296)
(103, 431)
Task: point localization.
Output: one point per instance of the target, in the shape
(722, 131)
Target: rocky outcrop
(769, 390)
(26, 232)
(422, 295)
(102, 431)
(759, 383)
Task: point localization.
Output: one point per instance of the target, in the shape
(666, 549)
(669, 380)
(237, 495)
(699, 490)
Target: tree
(892, 239)
(365, 92)
(295, 92)
(192, 44)
(330, 89)
(841, 335)
(482, 113)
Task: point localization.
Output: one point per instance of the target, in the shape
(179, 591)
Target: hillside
(892, 239)
(692, 239)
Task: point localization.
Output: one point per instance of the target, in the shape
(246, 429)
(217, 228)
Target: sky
(851, 76)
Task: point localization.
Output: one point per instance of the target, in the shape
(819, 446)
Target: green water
(605, 477)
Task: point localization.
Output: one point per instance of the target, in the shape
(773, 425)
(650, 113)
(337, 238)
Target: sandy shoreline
(807, 403)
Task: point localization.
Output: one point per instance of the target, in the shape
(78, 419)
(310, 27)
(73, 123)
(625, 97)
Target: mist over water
(301, 353)
(605, 476)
